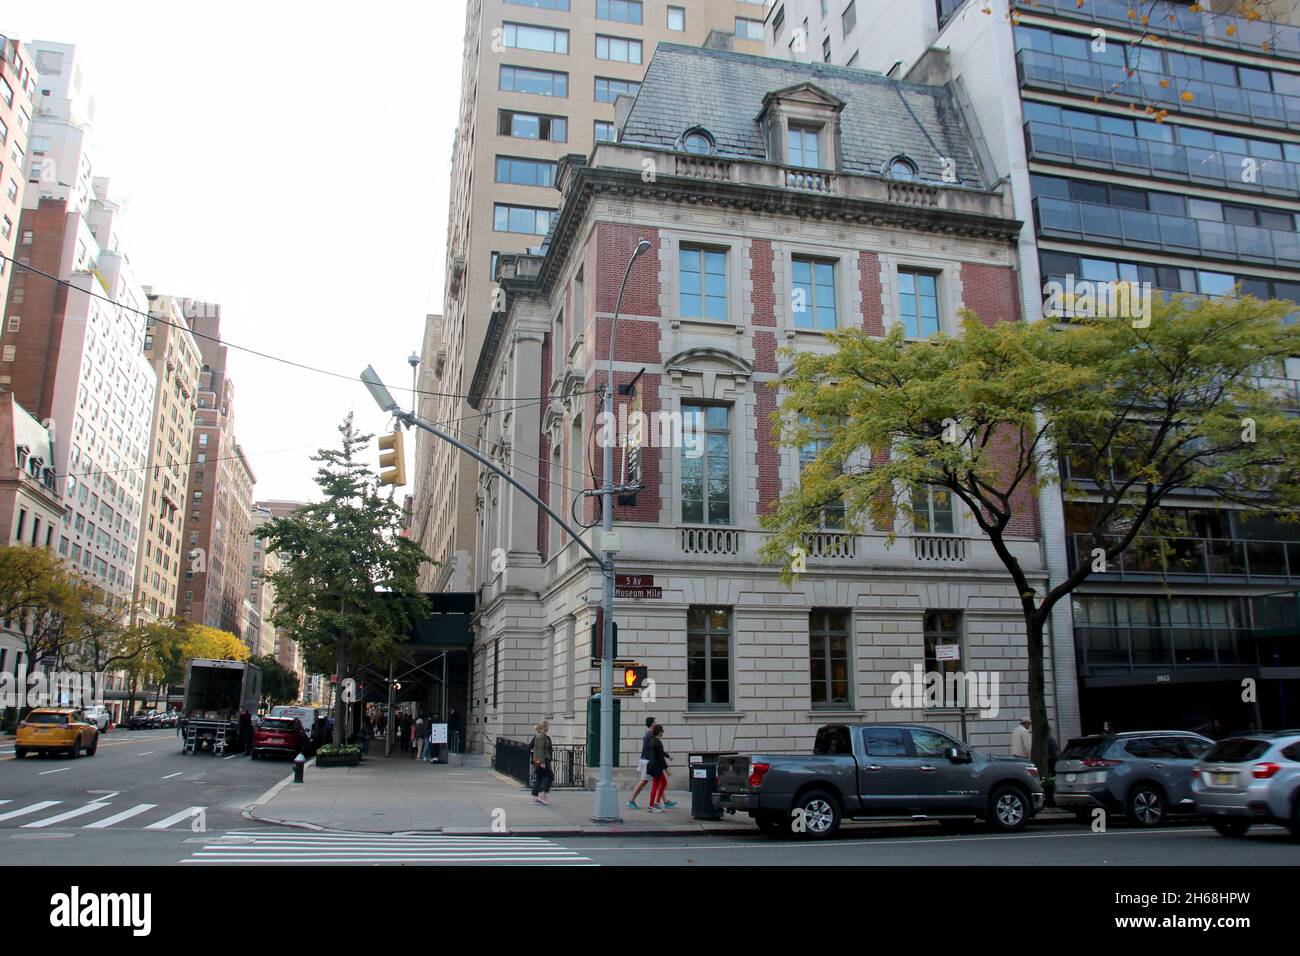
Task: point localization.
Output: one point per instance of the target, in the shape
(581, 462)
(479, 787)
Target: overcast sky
(290, 160)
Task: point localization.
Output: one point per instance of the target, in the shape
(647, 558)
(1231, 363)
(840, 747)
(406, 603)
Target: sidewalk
(400, 795)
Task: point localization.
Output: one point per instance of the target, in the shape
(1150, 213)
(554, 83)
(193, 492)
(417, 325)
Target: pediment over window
(708, 372)
(804, 94)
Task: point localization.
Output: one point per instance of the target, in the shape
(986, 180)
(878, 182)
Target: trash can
(704, 783)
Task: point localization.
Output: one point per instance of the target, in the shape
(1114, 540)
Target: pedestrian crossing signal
(392, 456)
(634, 676)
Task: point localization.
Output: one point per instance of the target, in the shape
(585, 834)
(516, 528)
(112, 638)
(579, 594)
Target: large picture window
(708, 657)
(706, 464)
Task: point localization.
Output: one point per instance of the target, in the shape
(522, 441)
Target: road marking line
(147, 753)
(60, 770)
(175, 818)
(32, 809)
(232, 757)
(104, 797)
(119, 817)
(68, 815)
(176, 774)
(6, 801)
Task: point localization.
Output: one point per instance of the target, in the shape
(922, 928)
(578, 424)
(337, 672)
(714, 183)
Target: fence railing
(514, 758)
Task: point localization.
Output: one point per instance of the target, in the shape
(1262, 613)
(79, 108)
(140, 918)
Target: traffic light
(392, 455)
(634, 676)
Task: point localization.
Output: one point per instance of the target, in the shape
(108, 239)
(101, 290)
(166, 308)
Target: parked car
(282, 735)
(878, 771)
(306, 716)
(1251, 778)
(1143, 775)
(139, 720)
(98, 715)
(167, 719)
(50, 729)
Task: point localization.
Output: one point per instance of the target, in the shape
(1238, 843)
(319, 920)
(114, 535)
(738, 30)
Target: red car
(279, 735)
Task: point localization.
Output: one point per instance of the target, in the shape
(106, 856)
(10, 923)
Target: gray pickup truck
(878, 771)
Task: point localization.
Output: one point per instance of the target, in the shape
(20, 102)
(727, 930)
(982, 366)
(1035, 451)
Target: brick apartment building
(17, 89)
(869, 196)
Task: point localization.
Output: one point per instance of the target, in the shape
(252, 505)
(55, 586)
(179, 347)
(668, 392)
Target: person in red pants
(657, 768)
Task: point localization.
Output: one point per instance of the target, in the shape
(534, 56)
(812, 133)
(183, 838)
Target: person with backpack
(541, 755)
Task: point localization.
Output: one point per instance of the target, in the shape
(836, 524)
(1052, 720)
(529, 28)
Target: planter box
(338, 760)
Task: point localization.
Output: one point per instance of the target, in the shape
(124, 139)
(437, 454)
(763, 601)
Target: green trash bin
(593, 730)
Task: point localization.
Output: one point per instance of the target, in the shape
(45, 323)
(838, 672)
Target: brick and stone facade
(539, 597)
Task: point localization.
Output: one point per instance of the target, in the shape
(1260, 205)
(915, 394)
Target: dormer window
(697, 141)
(902, 168)
(803, 146)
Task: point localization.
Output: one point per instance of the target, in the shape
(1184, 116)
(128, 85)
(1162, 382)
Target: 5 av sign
(637, 586)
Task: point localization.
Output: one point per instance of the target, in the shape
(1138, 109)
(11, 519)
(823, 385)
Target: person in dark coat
(657, 768)
(245, 731)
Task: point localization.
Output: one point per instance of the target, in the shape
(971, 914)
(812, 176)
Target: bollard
(299, 762)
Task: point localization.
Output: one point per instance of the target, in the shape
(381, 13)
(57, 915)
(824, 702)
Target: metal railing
(1127, 649)
(1088, 147)
(1178, 20)
(1117, 225)
(514, 758)
(1052, 71)
(1195, 559)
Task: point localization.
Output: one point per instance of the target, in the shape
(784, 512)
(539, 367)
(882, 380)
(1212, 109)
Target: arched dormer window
(902, 169)
(698, 141)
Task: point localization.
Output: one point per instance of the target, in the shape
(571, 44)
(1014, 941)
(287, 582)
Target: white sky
(290, 160)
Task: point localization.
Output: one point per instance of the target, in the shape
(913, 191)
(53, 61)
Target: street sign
(637, 586)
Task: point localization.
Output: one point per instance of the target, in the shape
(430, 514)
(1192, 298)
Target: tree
(38, 594)
(279, 684)
(346, 592)
(101, 637)
(1141, 411)
(212, 644)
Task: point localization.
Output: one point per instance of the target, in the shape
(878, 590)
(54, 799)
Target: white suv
(98, 715)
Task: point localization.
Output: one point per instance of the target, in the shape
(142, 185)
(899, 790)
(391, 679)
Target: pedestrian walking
(657, 767)
(417, 738)
(542, 775)
(1022, 739)
(643, 763)
(366, 734)
(246, 731)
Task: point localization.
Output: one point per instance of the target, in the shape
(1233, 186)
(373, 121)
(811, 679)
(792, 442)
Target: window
(526, 219)
(609, 89)
(624, 11)
(918, 302)
(525, 172)
(931, 743)
(778, 21)
(12, 190)
(884, 741)
(932, 510)
(697, 141)
(518, 79)
(849, 18)
(605, 132)
(828, 657)
(14, 323)
(618, 49)
(676, 19)
(832, 511)
(812, 301)
(802, 149)
(703, 275)
(706, 465)
(522, 36)
(532, 126)
(943, 629)
(900, 167)
(7, 227)
(708, 657)
(6, 92)
(10, 352)
(826, 50)
(22, 520)
(747, 29)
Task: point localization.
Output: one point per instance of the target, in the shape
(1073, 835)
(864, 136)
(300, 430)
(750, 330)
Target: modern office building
(170, 348)
(864, 230)
(17, 90)
(1162, 148)
(539, 81)
(216, 580)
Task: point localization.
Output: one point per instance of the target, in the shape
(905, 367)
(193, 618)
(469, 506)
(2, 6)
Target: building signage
(947, 652)
(637, 586)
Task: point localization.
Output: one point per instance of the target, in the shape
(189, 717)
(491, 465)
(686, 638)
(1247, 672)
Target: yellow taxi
(56, 728)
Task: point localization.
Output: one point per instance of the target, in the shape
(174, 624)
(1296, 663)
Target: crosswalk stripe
(299, 848)
(66, 815)
(175, 818)
(119, 817)
(34, 808)
(6, 801)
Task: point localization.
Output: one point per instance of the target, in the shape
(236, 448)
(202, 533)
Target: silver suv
(1250, 778)
(1143, 775)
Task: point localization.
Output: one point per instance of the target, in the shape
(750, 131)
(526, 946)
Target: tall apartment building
(783, 187)
(261, 593)
(220, 490)
(17, 90)
(170, 348)
(1200, 200)
(73, 354)
(539, 81)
